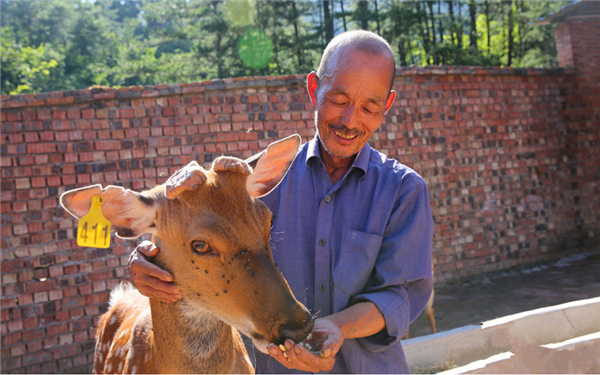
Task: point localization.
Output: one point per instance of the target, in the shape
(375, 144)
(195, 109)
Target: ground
(493, 295)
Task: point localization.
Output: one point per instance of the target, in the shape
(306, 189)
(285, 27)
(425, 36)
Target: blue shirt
(366, 238)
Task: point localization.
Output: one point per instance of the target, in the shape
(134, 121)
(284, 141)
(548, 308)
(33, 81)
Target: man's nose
(350, 117)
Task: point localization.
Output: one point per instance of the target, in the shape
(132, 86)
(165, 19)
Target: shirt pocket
(356, 262)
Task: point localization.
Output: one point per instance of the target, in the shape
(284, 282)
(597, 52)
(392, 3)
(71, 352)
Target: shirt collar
(361, 162)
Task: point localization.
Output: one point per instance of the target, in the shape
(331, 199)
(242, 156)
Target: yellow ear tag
(94, 229)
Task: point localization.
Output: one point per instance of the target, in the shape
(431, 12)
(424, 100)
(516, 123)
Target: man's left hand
(327, 338)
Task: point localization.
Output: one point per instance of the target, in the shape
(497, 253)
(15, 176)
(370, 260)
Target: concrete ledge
(475, 367)
(513, 333)
(578, 355)
(576, 342)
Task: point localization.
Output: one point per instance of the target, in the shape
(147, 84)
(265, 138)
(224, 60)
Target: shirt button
(327, 198)
(322, 242)
(322, 287)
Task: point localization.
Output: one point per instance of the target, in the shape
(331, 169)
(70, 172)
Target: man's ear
(312, 84)
(390, 101)
(271, 165)
(131, 214)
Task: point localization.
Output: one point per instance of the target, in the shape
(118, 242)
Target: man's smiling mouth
(345, 136)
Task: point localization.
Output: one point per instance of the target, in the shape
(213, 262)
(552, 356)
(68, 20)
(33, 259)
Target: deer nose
(296, 329)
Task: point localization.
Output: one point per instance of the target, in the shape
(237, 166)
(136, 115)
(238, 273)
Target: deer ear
(271, 165)
(131, 214)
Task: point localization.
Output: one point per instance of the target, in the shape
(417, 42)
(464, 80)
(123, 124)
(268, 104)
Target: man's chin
(339, 151)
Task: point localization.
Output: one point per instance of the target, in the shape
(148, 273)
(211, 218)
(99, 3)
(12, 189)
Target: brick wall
(579, 49)
(578, 44)
(511, 161)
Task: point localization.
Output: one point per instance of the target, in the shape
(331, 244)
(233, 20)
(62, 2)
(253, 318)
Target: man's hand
(151, 280)
(326, 341)
(360, 320)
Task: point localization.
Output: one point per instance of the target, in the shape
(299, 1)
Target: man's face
(352, 99)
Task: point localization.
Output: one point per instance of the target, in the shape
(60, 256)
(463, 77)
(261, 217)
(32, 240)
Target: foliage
(50, 45)
(23, 67)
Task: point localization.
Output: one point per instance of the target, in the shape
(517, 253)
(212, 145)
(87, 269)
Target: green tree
(50, 45)
(93, 47)
(24, 68)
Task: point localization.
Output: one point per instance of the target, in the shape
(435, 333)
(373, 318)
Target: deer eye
(200, 247)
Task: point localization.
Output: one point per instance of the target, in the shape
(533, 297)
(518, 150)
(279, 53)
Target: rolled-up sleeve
(401, 283)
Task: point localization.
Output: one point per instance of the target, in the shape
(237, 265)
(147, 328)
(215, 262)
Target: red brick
(38, 357)
(126, 113)
(11, 266)
(17, 351)
(104, 95)
(57, 328)
(41, 286)
(41, 148)
(38, 182)
(107, 145)
(34, 346)
(62, 316)
(29, 138)
(40, 297)
(87, 113)
(61, 136)
(59, 101)
(69, 180)
(30, 323)
(54, 295)
(101, 275)
(10, 363)
(13, 116)
(66, 351)
(11, 338)
(18, 137)
(81, 336)
(72, 303)
(73, 114)
(14, 326)
(56, 271)
(59, 115)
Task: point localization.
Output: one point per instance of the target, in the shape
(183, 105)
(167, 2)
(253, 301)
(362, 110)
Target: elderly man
(352, 230)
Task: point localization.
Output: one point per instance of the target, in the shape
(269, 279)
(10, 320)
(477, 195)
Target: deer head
(214, 238)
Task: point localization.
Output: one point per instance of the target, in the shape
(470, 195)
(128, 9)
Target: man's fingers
(159, 273)
(158, 285)
(156, 294)
(299, 358)
(302, 363)
(144, 267)
(312, 362)
(330, 347)
(147, 248)
(277, 353)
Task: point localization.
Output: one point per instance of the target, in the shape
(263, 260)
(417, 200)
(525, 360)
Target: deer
(213, 233)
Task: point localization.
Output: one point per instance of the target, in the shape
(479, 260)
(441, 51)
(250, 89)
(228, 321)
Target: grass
(434, 369)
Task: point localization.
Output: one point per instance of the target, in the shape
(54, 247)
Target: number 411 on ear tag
(94, 229)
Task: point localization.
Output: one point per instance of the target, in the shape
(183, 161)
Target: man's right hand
(151, 280)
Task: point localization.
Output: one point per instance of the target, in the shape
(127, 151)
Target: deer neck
(190, 340)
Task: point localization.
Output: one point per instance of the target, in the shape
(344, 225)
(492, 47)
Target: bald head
(358, 40)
